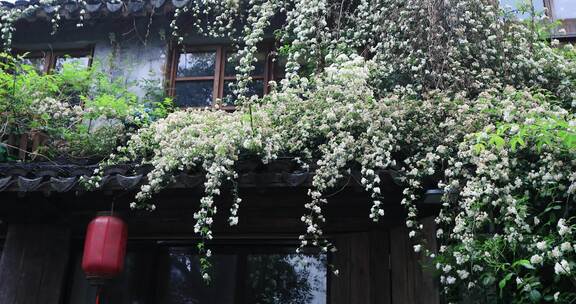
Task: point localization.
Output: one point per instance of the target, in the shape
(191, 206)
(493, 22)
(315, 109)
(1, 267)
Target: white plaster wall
(127, 48)
(133, 60)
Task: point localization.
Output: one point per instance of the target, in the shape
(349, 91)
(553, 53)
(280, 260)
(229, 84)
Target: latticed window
(46, 61)
(204, 76)
(241, 274)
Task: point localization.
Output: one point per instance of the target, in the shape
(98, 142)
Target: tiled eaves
(96, 8)
(60, 178)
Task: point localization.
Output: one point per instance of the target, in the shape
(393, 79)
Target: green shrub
(83, 111)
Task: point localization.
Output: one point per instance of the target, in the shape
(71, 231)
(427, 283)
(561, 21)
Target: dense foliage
(82, 113)
(456, 92)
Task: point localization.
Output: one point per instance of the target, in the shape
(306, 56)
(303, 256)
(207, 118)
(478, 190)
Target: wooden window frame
(73, 53)
(51, 56)
(219, 78)
(36, 55)
(173, 70)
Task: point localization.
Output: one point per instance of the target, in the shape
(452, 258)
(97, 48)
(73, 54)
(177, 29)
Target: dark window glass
(35, 62)
(180, 281)
(256, 87)
(171, 275)
(281, 278)
(280, 67)
(194, 93)
(196, 64)
(230, 65)
(79, 61)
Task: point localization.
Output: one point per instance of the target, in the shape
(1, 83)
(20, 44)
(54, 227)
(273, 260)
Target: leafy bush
(83, 111)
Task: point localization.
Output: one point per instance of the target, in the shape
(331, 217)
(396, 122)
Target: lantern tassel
(98, 296)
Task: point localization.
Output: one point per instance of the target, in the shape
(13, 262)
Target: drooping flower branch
(338, 122)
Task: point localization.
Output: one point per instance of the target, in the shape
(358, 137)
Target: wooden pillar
(412, 278)
(33, 264)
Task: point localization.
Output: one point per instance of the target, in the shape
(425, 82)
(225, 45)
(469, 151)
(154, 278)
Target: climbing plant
(83, 113)
(455, 93)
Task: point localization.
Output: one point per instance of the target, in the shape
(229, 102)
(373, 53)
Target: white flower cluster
(259, 17)
(507, 191)
(339, 110)
(203, 140)
(56, 110)
(208, 17)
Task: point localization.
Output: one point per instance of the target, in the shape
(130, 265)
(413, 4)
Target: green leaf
(551, 207)
(535, 295)
(504, 281)
(502, 129)
(479, 148)
(488, 280)
(524, 263)
(497, 141)
(570, 141)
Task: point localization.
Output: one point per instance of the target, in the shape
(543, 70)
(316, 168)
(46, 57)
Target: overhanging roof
(60, 178)
(95, 8)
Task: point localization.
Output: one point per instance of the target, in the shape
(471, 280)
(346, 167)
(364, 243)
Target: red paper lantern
(104, 248)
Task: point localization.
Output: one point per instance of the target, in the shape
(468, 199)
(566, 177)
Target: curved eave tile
(28, 177)
(128, 182)
(114, 7)
(180, 3)
(93, 7)
(157, 3)
(64, 184)
(50, 9)
(69, 9)
(5, 182)
(28, 184)
(7, 4)
(135, 6)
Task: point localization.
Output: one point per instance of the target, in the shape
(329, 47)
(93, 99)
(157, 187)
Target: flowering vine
(451, 94)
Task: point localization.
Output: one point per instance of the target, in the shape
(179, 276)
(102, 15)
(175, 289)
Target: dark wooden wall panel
(359, 275)
(33, 264)
(429, 285)
(340, 291)
(402, 267)
(380, 267)
(362, 260)
(412, 279)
